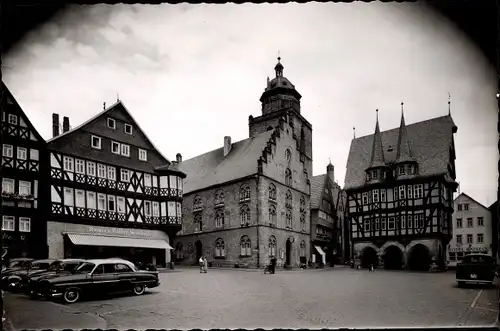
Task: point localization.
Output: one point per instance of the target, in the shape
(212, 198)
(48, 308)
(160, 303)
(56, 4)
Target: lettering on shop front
(119, 231)
(469, 249)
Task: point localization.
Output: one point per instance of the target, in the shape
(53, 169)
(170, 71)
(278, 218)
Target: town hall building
(399, 185)
(249, 200)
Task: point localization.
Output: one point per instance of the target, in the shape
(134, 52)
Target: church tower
(281, 100)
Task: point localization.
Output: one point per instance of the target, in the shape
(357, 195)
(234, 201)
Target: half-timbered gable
(23, 161)
(399, 186)
(250, 199)
(107, 172)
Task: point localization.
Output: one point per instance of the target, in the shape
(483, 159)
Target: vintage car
(98, 276)
(15, 265)
(33, 268)
(477, 269)
(57, 268)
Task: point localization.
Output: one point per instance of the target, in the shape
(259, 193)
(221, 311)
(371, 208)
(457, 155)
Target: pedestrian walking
(205, 264)
(202, 264)
(273, 264)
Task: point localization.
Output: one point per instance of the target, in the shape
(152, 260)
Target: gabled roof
(430, 140)
(317, 186)
(104, 112)
(26, 118)
(470, 198)
(213, 168)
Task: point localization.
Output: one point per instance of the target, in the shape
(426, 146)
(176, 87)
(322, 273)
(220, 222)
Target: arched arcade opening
(393, 258)
(419, 258)
(369, 257)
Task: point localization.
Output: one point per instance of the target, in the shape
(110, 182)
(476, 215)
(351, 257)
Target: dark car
(57, 268)
(477, 269)
(33, 268)
(12, 266)
(98, 276)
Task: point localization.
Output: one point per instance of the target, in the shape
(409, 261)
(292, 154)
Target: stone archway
(368, 257)
(419, 258)
(199, 250)
(393, 258)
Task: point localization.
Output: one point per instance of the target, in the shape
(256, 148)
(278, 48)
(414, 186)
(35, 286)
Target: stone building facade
(250, 200)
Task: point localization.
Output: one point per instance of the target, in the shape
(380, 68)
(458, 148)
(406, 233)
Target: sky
(192, 74)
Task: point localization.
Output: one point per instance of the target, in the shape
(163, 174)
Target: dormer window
(368, 176)
(411, 169)
(383, 174)
(111, 123)
(128, 129)
(374, 174)
(125, 150)
(143, 155)
(402, 170)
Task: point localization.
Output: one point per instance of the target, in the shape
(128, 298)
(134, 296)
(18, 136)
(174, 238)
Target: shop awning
(320, 250)
(90, 240)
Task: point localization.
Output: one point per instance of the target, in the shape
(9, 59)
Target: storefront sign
(469, 249)
(119, 231)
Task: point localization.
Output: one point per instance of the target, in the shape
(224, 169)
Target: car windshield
(70, 266)
(55, 265)
(41, 265)
(85, 267)
(15, 264)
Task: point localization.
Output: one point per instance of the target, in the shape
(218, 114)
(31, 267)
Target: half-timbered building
(399, 186)
(325, 231)
(250, 200)
(112, 192)
(23, 161)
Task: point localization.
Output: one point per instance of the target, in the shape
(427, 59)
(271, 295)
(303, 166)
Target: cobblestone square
(337, 297)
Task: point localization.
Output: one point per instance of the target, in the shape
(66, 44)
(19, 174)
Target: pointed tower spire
(403, 152)
(354, 131)
(377, 159)
(449, 104)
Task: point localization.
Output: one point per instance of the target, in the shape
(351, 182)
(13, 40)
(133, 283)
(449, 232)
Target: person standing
(205, 264)
(273, 264)
(201, 262)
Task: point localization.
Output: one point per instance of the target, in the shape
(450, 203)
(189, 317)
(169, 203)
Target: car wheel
(71, 295)
(139, 289)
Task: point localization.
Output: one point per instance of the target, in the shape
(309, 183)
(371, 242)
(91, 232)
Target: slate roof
(214, 168)
(430, 141)
(404, 150)
(317, 185)
(377, 154)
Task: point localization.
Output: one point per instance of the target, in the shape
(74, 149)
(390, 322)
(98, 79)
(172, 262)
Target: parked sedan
(12, 266)
(477, 269)
(34, 267)
(57, 268)
(99, 276)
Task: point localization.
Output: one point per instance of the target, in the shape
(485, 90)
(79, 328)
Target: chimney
(65, 124)
(227, 145)
(55, 125)
(178, 157)
(330, 170)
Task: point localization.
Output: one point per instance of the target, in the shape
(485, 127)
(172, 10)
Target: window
(125, 150)
(374, 174)
(219, 219)
(303, 222)
(480, 238)
(375, 195)
(24, 188)
(272, 214)
(80, 198)
(101, 171)
(365, 198)
(410, 191)
(420, 221)
(288, 218)
(7, 185)
(453, 256)
(147, 208)
(119, 268)
(382, 195)
(469, 239)
(91, 168)
(480, 221)
(111, 173)
(466, 206)
(377, 224)
(34, 155)
(288, 177)
(392, 223)
(418, 190)
(459, 238)
(8, 223)
(197, 203)
(156, 209)
(115, 147)
(459, 206)
(95, 142)
(12, 119)
(101, 201)
(402, 194)
(68, 196)
(198, 222)
(288, 199)
(272, 246)
(272, 192)
(302, 248)
(111, 203)
(24, 224)
(120, 204)
(128, 129)
(470, 222)
(244, 215)
(245, 246)
(143, 154)
(219, 248)
(8, 150)
(459, 223)
(219, 197)
(91, 200)
(125, 175)
(409, 221)
(402, 170)
(111, 123)
(244, 192)
(288, 154)
(383, 223)
(22, 153)
(68, 163)
(367, 225)
(147, 180)
(79, 166)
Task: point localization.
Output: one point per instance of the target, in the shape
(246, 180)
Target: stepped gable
(431, 141)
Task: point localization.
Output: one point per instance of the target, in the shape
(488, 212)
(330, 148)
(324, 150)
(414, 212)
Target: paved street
(300, 299)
